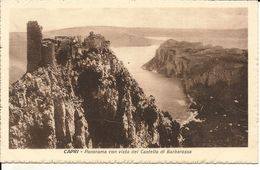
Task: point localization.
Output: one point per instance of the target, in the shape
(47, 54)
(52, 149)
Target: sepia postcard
(133, 81)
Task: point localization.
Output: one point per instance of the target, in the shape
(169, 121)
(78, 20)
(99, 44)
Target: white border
(199, 155)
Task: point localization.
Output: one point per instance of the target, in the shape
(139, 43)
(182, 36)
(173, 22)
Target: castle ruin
(42, 52)
(34, 45)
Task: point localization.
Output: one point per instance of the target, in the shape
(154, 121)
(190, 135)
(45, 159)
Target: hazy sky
(206, 18)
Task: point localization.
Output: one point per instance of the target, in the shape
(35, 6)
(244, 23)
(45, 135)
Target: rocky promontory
(215, 80)
(77, 94)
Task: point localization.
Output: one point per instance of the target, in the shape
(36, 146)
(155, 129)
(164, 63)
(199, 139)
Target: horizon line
(221, 29)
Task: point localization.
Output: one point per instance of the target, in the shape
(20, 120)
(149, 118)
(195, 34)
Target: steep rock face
(85, 97)
(215, 80)
(184, 59)
(43, 112)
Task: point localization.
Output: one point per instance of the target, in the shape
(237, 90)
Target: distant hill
(156, 32)
(118, 36)
(123, 36)
(127, 37)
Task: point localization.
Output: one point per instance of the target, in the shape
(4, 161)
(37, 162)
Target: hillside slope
(86, 98)
(215, 79)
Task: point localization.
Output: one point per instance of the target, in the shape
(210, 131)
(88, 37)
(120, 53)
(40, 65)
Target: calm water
(167, 91)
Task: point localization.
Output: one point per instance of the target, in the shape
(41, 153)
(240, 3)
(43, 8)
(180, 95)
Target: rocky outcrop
(96, 41)
(215, 80)
(85, 98)
(43, 113)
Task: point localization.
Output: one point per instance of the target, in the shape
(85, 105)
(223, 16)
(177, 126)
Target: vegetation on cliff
(215, 80)
(85, 97)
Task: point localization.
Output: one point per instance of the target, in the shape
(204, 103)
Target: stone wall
(48, 52)
(96, 41)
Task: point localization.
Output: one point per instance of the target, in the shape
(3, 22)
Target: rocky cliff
(85, 97)
(215, 80)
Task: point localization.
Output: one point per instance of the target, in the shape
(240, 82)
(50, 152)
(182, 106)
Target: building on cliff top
(96, 41)
(40, 52)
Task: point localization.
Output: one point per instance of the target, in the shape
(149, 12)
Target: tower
(34, 40)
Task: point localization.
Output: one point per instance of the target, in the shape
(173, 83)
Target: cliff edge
(79, 95)
(216, 82)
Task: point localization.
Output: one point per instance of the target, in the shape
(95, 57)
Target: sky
(188, 18)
